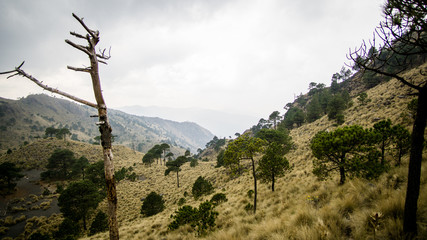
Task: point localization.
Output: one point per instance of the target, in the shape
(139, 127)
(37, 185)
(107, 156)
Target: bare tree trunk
(177, 179)
(255, 185)
(414, 170)
(272, 181)
(105, 129)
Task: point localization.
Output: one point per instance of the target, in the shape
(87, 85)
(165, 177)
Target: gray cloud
(250, 57)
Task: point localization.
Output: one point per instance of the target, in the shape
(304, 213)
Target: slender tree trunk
(342, 175)
(414, 170)
(399, 159)
(84, 223)
(177, 179)
(255, 185)
(272, 181)
(382, 153)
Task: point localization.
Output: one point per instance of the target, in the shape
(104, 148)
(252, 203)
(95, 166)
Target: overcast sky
(240, 56)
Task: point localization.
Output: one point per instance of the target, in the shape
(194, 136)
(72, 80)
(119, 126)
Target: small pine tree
(201, 219)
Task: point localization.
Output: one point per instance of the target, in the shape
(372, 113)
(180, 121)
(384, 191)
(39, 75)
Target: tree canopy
(344, 150)
(78, 199)
(273, 163)
(175, 166)
(9, 174)
(244, 147)
(60, 165)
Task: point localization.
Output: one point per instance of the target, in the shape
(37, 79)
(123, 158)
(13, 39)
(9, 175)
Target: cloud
(249, 57)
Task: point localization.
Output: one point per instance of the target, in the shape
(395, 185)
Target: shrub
(201, 219)
(340, 119)
(184, 215)
(218, 198)
(46, 192)
(68, 229)
(120, 175)
(220, 159)
(181, 201)
(132, 177)
(100, 224)
(201, 187)
(194, 162)
(250, 193)
(39, 236)
(249, 207)
(59, 188)
(152, 204)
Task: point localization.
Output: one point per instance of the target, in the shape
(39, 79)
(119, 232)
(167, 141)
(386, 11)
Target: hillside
(26, 119)
(302, 207)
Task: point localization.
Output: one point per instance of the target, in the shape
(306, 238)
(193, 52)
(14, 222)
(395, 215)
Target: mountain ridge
(220, 123)
(25, 119)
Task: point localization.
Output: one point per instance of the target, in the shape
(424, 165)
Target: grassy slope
(302, 207)
(25, 120)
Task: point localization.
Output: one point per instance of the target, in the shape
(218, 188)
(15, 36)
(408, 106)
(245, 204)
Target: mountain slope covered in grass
(22, 121)
(301, 207)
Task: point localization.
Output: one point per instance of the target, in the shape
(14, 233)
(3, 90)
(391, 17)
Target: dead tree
(92, 38)
(403, 45)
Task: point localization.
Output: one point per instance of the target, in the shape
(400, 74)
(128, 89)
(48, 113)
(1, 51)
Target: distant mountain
(25, 119)
(222, 124)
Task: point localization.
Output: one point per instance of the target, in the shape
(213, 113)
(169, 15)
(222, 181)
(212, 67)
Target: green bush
(181, 201)
(184, 215)
(201, 219)
(194, 162)
(250, 193)
(68, 229)
(218, 198)
(201, 187)
(220, 159)
(120, 175)
(152, 204)
(100, 224)
(249, 207)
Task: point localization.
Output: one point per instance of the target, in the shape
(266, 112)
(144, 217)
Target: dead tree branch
(19, 72)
